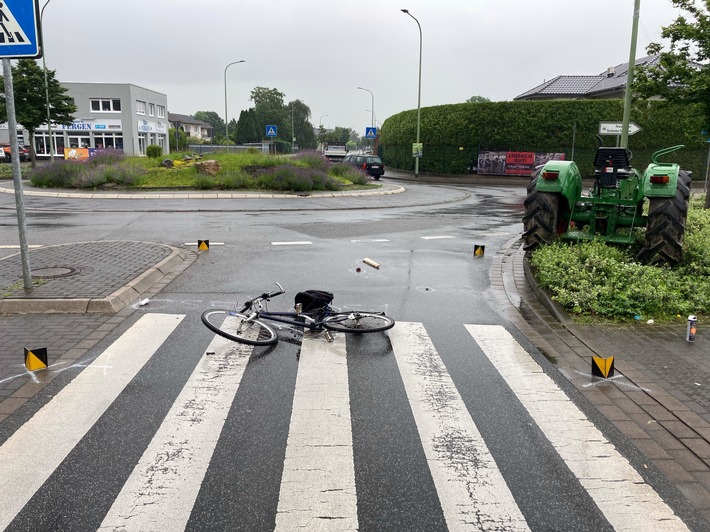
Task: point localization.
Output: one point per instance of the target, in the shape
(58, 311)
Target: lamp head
(405, 11)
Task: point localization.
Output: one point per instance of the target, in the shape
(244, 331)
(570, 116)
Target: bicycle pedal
(328, 336)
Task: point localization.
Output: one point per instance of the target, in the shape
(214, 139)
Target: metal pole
(373, 104)
(419, 91)
(630, 77)
(46, 83)
(16, 173)
(226, 120)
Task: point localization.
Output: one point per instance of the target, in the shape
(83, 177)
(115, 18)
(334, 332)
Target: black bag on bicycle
(311, 300)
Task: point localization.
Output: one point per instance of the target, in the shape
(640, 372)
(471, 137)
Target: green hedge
(454, 134)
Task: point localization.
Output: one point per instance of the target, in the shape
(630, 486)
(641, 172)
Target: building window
(140, 107)
(161, 111)
(108, 140)
(151, 109)
(105, 105)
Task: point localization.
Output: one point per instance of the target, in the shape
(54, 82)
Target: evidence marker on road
(36, 359)
(603, 367)
(478, 250)
(203, 245)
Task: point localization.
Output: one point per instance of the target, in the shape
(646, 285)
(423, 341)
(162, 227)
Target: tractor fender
(660, 190)
(568, 180)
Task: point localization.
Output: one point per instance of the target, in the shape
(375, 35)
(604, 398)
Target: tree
(478, 99)
(215, 121)
(269, 109)
(30, 99)
(682, 73)
(302, 128)
(246, 129)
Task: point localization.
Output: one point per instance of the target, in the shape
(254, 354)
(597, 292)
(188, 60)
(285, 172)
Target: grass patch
(594, 281)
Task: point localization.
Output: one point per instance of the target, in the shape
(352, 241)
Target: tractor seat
(611, 164)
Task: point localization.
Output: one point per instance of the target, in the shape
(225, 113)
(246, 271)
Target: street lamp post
(373, 104)
(320, 121)
(419, 92)
(226, 118)
(46, 84)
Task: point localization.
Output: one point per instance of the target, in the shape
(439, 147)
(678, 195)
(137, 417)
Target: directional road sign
(615, 128)
(19, 29)
(271, 131)
(371, 132)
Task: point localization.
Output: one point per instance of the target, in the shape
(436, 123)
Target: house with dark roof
(191, 126)
(610, 84)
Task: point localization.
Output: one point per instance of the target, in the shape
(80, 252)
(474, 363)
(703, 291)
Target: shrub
(60, 174)
(312, 159)
(107, 156)
(236, 180)
(596, 280)
(154, 151)
(204, 182)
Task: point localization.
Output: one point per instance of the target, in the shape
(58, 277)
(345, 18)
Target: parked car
(24, 152)
(367, 163)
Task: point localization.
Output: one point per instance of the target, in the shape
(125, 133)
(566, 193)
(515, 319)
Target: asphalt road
(451, 438)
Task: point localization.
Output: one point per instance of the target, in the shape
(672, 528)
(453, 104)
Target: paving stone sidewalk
(83, 292)
(659, 396)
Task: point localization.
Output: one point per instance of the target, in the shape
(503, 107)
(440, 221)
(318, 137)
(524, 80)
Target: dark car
(24, 152)
(367, 163)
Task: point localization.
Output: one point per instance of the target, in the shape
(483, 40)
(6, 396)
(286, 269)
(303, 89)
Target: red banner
(513, 162)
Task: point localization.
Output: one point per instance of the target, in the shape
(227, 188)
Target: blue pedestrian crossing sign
(19, 29)
(271, 131)
(371, 132)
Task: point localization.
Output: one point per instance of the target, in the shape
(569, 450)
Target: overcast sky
(320, 51)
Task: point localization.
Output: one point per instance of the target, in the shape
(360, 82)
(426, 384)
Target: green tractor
(556, 208)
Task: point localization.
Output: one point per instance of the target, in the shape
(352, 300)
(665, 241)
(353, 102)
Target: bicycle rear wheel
(358, 322)
(236, 327)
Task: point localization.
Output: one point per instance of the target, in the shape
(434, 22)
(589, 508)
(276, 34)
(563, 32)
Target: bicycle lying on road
(248, 324)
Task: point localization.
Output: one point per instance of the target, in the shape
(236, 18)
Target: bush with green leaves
(154, 151)
(593, 280)
(350, 173)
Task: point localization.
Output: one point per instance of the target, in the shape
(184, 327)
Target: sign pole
(16, 173)
(630, 76)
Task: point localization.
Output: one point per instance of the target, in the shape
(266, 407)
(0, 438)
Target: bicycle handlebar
(265, 296)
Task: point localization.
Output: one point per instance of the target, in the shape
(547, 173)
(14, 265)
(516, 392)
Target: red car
(24, 152)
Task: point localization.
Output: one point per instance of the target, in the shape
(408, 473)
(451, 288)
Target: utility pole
(630, 77)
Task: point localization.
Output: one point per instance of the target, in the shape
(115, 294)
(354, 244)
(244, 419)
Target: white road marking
(368, 240)
(318, 482)
(618, 490)
(293, 243)
(31, 454)
(31, 246)
(161, 491)
(436, 237)
(472, 491)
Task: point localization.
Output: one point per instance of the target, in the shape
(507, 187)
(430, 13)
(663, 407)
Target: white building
(110, 115)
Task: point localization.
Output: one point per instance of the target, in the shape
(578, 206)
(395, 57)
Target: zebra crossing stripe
(472, 491)
(627, 502)
(162, 489)
(56, 429)
(318, 483)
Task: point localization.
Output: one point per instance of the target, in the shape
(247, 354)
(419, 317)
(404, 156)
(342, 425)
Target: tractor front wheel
(542, 217)
(665, 225)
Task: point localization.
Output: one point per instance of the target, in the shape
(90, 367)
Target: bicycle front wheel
(238, 328)
(358, 322)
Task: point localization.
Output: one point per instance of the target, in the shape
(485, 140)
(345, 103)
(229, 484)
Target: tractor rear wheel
(542, 217)
(665, 225)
